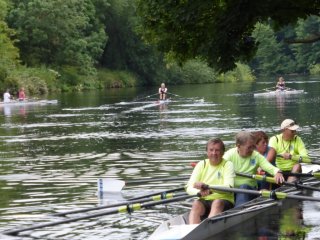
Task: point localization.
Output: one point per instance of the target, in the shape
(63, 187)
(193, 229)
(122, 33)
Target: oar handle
(264, 178)
(272, 180)
(265, 193)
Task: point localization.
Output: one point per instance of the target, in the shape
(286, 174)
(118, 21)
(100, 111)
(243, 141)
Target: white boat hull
(33, 102)
(278, 93)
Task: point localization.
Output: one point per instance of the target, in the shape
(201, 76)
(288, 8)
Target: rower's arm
(302, 151)
(228, 174)
(271, 154)
(195, 177)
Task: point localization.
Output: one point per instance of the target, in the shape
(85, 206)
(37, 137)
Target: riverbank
(40, 81)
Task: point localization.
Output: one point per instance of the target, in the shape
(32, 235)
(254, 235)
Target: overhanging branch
(311, 39)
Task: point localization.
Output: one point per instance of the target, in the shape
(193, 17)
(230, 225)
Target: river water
(52, 155)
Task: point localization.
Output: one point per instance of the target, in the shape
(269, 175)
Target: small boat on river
(28, 102)
(285, 92)
(178, 227)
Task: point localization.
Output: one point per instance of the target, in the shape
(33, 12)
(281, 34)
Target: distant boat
(28, 102)
(278, 93)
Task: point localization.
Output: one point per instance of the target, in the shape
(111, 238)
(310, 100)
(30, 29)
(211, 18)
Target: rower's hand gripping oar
(263, 193)
(123, 209)
(272, 180)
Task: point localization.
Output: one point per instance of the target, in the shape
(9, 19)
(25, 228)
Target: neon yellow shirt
(295, 147)
(248, 165)
(219, 175)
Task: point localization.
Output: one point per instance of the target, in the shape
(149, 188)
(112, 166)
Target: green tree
(217, 30)
(9, 54)
(307, 54)
(58, 32)
(271, 57)
(125, 50)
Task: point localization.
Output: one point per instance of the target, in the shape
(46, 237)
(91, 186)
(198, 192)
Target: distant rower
(281, 85)
(163, 91)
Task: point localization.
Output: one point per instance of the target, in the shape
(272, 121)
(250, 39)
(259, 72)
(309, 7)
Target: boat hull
(279, 93)
(178, 227)
(24, 103)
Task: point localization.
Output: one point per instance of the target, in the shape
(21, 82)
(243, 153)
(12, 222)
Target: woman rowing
(281, 85)
(21, 94)
(163, 92)
(262, 139)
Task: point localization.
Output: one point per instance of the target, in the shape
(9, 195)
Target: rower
(6, 96)
(288, 149)
(281, 85)
(212, 171)
(163, 92)
(261, 140)
(247, 160)
(21, 94)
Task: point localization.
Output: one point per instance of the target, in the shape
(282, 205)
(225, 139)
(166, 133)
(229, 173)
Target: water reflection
(52, 158)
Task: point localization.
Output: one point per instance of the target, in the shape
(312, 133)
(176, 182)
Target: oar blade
(110, 185)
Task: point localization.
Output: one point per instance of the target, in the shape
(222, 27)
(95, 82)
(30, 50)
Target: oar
(149, 197)
(272, 180)
(174, 94)
(263, 193)
(123, 209)
(315, 174)
(300, 159)
(146, 97)
(159, 193)
(115, 185)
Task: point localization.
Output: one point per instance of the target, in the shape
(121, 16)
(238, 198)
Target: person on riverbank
(247, 160)
(281, 85)
(212, 171)
(163, 92)
(6, 96)
(288, 149)
(21, 94)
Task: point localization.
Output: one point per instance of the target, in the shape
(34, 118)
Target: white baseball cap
(289, 124)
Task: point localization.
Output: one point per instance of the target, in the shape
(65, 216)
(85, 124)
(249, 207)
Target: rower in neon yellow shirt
(288, 148)
(214, 171)
(247, 160)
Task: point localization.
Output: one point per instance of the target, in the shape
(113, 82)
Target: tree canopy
(218, 31)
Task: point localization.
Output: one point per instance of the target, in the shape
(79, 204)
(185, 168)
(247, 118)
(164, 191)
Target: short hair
(216, 141)
(260, 135)
(243, 137)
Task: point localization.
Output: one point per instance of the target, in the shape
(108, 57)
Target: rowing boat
(279, 93)
(28, 102)
(178, 227)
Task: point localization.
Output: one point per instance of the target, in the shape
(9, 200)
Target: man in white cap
(288, 149)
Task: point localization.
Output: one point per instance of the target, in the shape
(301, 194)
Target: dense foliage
(218, 31)
(82, 44)
(58, 32)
